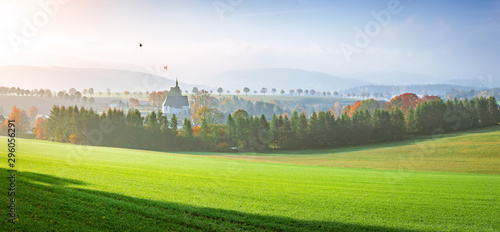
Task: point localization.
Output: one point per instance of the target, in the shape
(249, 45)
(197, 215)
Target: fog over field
(379, 42)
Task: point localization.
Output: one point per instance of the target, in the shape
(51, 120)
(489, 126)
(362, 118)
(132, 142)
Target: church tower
(175, 103)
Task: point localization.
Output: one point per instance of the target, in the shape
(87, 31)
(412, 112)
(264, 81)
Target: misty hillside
(59, 78)
(394, 78)
(480, 82)
(279, 78)
(431, 89)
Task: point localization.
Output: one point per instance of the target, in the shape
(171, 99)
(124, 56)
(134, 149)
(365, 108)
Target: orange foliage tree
(370, 105)
(157, 98)
(39, 128)
(405, 101)
(73, 138)
(428, 98)
(196, 130)
(32, 112)
(21, 119)
(134, 101)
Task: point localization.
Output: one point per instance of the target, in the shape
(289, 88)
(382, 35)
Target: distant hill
(280, 78)
(59, 78)
(480, 82)
(395, 78)
(432, 89)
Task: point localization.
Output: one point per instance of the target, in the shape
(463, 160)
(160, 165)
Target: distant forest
(365, 122)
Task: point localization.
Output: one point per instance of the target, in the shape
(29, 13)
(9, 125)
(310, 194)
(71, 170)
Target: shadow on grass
(76, 209)
(48, 179)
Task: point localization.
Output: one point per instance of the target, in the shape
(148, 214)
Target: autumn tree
(32, 112)
(134, 101)
(39, 130)
(21, 119)
(203, 99)
(405, 101)
(427, 98)
(210, 115)
(157, 98)
(369, 105)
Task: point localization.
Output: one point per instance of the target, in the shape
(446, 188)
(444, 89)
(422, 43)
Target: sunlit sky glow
(443, 39)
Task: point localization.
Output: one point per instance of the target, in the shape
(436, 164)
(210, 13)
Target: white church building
(175, 103)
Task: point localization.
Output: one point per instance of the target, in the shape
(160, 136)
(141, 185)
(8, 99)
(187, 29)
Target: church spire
(176, 82)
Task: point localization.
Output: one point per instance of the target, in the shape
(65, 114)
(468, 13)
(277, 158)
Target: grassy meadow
(65, 187)
(472, 151)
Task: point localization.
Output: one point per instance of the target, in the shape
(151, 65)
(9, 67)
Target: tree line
(250, 133)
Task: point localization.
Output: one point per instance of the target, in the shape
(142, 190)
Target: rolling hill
(59, 78)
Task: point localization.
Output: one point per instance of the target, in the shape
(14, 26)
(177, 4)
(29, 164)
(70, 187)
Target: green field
(64, 187)
(473, 151)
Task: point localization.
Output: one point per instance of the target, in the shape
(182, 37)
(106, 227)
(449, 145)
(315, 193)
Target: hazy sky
(198, 39)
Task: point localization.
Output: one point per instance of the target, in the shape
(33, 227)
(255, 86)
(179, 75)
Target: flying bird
(140, 45)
